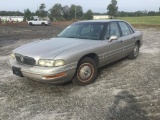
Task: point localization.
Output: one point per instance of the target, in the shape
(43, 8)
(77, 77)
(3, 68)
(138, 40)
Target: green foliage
(88, 15)
(41, 12)
(66, 13)
(37, 13)
(59, 12)
(145, 20)
(79, 12)
(112, 8)
(27, 14)
(11, 13)
(76, 12)
(137, 13)
(56, 12)
(72, 11)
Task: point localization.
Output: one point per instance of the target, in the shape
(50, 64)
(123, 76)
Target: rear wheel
(86, 72)
(135, 52)
(43, 24)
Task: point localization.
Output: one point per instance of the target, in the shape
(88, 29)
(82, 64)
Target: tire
(135, 52)
(43, 24)
(86, 72)
(30, 24)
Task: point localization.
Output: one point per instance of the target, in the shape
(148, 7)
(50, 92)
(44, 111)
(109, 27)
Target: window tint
(112, 30)
(70, 30)
(125, 29)
(131, 30)
(83, 30)
(87, 29)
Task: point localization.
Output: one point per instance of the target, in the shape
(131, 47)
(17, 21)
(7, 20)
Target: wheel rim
(136, 50)
(85, 72)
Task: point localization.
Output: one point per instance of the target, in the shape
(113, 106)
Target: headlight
(13, 56)
(47, 63)
(59, 63)
(50, 63)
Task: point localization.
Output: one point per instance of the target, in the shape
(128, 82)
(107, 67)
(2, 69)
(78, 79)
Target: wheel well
(93, 56)
(138, 42)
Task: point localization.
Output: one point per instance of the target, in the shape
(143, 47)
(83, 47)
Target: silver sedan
(77, 52)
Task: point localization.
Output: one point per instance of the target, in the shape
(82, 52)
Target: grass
(145, 21)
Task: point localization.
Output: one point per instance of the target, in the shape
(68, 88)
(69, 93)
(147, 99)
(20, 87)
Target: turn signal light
(55, 76)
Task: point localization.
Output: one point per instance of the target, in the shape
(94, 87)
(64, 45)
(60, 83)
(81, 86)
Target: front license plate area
(17, 71)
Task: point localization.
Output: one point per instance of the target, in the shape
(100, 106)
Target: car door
(36, 22)
(112, 50)
(128, 37)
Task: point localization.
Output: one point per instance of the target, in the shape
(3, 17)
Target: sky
(95, 5)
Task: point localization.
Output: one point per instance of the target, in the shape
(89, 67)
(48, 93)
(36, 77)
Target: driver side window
(112, 30)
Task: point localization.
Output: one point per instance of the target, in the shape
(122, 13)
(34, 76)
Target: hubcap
(135, 51)
(85, 72)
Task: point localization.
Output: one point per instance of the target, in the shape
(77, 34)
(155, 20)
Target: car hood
(49, 49)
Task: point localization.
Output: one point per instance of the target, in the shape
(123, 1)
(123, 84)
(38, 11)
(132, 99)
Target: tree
(79, 12)
(42, 12)
(72, 12)
(37, 13)
(66, 14)
(76, 12)
(88, 15)
(112, 8)
(27, 14)
(56, 12)
(11, 13)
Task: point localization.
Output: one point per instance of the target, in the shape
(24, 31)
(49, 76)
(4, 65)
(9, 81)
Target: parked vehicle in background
(77, 52)
(39, 22)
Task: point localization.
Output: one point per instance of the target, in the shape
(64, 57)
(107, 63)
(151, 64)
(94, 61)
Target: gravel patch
(124, 90)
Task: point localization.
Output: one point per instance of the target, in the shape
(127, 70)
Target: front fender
(75, 54)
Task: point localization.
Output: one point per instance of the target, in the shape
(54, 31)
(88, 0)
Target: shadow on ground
(124, 107)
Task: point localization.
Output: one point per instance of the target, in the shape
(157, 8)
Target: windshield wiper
(78, 37)
(68, 36)
(71, 37)
(89, 38)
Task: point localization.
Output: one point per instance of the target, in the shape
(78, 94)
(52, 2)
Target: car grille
(25, 60)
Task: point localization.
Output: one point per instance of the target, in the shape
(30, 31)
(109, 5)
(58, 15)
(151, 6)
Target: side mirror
(113, 38)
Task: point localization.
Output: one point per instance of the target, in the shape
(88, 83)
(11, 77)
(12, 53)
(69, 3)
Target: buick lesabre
(77, 52)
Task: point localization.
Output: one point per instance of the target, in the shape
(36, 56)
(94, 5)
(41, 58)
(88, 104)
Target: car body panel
(38, 72)
(38, 22)
(112, 51)
(72, 50)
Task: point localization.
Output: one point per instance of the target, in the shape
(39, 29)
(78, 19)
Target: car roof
(107, 20)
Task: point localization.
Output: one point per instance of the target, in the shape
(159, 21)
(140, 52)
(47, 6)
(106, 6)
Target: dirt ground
(124, 90)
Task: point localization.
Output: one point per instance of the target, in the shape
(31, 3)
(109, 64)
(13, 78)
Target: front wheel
(30, 24)
(135, 52)
(86, 72)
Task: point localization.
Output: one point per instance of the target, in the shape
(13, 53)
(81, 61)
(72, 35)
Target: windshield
(83, 30)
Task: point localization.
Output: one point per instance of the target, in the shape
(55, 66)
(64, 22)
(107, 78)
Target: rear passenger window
(125, 29)
(131, 30)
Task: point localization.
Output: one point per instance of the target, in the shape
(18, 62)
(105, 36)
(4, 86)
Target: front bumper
(45, 74)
